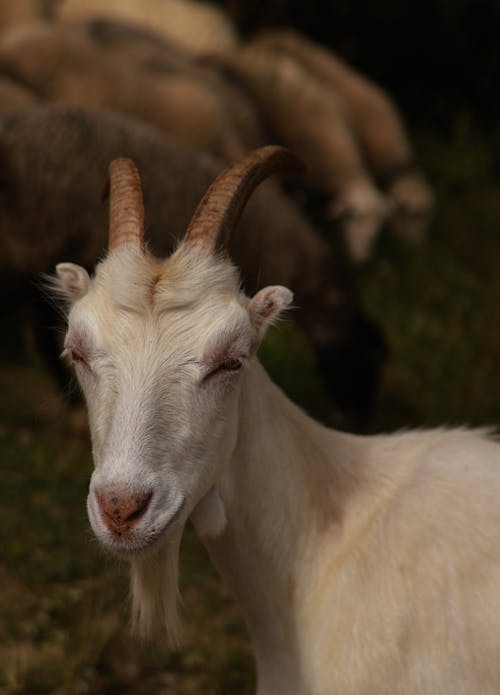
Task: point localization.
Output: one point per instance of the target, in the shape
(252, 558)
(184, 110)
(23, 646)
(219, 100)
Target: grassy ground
(63, 603)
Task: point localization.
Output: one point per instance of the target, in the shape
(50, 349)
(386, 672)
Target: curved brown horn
(220, 208)
(126, 208)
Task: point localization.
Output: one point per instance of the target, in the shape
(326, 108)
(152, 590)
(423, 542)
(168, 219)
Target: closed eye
(230, 364)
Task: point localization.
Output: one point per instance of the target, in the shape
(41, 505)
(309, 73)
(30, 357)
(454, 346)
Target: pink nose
(120, 510)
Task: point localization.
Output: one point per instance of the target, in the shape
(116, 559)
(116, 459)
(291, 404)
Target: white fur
(363, 565)
(209, 516)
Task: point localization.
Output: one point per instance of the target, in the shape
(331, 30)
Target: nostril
(121, 510)
(141, 504)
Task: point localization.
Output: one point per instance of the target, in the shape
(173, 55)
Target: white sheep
(377, 123)
(312, 121)
(363, 565)
(64, 65)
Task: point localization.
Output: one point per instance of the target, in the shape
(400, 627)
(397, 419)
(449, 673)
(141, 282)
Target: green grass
(63, 603)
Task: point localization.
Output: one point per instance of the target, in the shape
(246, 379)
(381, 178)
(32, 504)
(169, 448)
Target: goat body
(362, 565)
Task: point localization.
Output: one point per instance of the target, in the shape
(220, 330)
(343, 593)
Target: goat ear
(265, 307)
(72, 281)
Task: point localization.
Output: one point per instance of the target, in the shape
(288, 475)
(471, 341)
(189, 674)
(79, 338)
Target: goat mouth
(157, 536)
(141, 542)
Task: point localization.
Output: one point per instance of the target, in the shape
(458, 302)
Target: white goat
(363, 565)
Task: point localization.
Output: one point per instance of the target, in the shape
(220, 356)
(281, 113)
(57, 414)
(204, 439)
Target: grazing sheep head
(361, 211)
(160, 350)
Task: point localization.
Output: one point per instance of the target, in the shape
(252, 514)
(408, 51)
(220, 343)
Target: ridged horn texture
(220, 208)
(126, 207)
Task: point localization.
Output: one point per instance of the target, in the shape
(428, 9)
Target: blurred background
(412, 334)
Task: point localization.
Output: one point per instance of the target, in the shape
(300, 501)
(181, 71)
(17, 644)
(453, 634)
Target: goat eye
(232, 364)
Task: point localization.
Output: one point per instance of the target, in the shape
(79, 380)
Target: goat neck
(281, 494)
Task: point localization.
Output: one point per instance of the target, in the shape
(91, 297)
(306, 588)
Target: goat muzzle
(120, 511)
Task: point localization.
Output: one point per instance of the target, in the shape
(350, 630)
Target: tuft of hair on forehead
(136, 282)
(128, 277)
(191, 274)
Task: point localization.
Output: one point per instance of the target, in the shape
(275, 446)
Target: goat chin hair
(155, 593)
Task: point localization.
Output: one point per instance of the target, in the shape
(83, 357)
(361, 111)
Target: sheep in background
(202, 103)
(200, 27)
(53, 160)
(377, 124)
(111, 65)
(362, 565)
(59, 65)
(327, 129)
(311, 121)
(53, 156)
(151, 51)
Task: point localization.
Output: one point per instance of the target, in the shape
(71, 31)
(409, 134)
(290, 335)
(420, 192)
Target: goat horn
(220, 208)
(126, 207)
